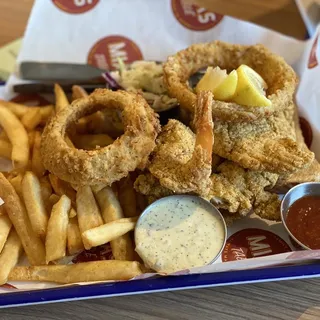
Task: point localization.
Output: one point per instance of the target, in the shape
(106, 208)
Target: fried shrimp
(108, 164)
(279, 76)
(182, 161)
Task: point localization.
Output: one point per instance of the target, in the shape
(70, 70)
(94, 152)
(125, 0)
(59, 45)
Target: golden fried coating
(265, 145)
(234, 190)
(252, 185)
(267, 206)
(182, 160)
(150, 186)
(225, 195)
(279, 76)
(309, 174)
(108, 164)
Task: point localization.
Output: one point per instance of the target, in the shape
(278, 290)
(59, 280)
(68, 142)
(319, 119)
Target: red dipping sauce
(303, 221)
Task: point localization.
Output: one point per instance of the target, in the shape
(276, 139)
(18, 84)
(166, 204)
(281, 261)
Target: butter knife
(51, 71)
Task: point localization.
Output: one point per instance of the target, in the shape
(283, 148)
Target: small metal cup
(204, 203)
(297, 192)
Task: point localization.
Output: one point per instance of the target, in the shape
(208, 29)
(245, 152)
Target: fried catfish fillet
(309, 174)
(265, 145)
(224, 195)
(149, 185)
(235, 190)
(252, 185)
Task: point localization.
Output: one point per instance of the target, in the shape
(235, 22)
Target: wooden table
(279, 300)
(280, 15)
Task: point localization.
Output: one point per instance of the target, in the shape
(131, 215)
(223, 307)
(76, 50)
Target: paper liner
(152, 30)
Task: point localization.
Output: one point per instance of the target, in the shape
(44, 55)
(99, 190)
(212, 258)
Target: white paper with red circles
(97, 31)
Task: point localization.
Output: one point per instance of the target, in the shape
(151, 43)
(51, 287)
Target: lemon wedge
(226, 89)
(211, 79)
(250, 89)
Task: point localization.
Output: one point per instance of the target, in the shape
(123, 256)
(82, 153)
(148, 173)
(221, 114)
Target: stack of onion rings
(279, 76)
(108, 164)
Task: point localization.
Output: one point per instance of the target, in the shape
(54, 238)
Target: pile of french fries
(46, 218)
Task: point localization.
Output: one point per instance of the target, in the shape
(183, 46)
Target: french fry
(27, 168)
(18, 172)
(92, 141)
(36, 162)
(17, 109)
(17, 135)
(16, 211)
(79, 272)
(78, 92)
(31, 191)
(74, 242)
(46, 190)
(72, 213)
(107, 232)
(31, 138)
(74, 186)
(3, 136)
(97, 187)
(81, 126)
(53, 199)
(46, 112)
(69, 142)
(2, 211)
(61, 187)
(5, 149)
(16, 183)
(95, 123)
(5, 227)
(127, 197)
(61, 98)
(122, 247)
(106, 121)
(88, 212)
(9, 256)
(56, 239)
(32, 118)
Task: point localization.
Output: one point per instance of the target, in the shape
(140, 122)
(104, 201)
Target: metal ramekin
(297, 192)
(208, 205)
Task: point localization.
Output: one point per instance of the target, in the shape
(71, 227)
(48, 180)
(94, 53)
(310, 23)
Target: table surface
(280, 15)
(278, 300)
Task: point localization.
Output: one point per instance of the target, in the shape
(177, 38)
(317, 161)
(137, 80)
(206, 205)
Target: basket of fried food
(76, 175)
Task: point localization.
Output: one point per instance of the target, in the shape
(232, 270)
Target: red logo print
(194, 17)
(253, 243)
(75, 6)
(313, 61)
(106, 52)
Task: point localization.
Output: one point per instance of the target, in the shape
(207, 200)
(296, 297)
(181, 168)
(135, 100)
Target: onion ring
(280, 77)
(108, 164)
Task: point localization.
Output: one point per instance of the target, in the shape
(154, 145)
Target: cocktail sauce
(303, 220)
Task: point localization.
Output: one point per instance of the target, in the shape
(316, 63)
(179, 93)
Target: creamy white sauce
(179, 233)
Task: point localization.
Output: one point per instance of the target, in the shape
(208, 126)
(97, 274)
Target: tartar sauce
(179, 232)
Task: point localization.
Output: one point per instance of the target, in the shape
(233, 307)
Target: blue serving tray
(159, 284)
